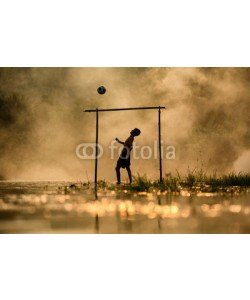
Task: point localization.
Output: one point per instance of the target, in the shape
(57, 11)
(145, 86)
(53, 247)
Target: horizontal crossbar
(128, 108)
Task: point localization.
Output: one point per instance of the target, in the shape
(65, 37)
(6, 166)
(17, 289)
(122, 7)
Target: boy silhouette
(124, 158)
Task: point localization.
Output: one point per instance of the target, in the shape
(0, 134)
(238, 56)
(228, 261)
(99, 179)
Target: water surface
(55, 207)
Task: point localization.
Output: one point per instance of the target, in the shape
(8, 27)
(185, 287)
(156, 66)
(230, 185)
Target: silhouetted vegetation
(192, 181)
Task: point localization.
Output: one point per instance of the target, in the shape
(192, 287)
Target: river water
(54, 207)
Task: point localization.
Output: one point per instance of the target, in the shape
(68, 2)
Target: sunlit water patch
(44, 207)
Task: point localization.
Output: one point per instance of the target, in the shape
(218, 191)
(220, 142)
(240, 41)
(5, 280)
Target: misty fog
(42, 119)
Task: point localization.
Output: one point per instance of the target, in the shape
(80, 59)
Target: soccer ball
(101, 90)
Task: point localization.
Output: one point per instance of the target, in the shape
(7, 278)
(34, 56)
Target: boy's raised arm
(119, 141)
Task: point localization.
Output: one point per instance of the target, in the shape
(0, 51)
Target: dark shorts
(124, 159)
(123, 163)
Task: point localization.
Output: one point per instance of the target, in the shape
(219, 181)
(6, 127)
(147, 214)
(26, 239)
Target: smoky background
(42, 119)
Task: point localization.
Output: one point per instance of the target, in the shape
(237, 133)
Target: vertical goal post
(97, 111)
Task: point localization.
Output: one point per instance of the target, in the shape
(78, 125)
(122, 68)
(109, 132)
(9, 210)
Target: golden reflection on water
(235, 208)
(201, 194)
(196, 207)
(185, 193)
(108, 206)
(246, 210)
(211, 210)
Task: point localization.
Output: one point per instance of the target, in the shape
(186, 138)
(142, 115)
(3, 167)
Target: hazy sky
(42, 119)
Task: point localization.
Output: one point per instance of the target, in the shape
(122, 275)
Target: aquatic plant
(193, 180)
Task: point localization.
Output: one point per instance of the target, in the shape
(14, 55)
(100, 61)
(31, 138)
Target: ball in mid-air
(101, 90)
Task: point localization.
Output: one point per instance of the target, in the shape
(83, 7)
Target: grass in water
(196, 180)
(192, 181)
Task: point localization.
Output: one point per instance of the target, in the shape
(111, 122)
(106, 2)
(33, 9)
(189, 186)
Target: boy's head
(135, 132)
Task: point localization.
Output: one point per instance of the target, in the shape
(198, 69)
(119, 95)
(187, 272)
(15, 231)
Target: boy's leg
(129, 173)
(118, 174)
